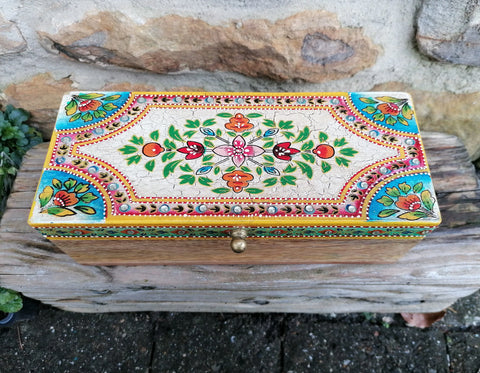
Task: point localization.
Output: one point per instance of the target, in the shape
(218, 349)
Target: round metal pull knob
(238, 243)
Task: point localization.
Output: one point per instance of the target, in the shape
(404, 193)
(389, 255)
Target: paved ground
(57, 341)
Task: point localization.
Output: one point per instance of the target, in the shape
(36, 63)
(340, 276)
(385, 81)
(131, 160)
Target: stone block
(11, 39)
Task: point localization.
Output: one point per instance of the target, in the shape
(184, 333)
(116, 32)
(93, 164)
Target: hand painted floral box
(136, 177)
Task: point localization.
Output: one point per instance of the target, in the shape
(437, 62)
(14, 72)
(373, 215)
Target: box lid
(163, 164)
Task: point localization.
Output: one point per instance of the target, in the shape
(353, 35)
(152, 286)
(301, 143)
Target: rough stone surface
(11, 39)
(312, 346)
(308, 46)
(217, 343)
(450, 31)
(41, 96)
(458, 114)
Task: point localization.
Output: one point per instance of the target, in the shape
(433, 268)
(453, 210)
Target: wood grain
(440, 269)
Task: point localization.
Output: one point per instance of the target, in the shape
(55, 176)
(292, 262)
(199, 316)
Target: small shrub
(16, 137)
(10, 301)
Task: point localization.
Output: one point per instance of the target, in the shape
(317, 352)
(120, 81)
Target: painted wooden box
(157, 177)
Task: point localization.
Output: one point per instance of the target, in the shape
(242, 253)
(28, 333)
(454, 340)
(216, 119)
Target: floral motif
(284, 152)
(59, 198)
(238, 151)
(193, 150)
(389, 110)
(413, 203)
(239, 123)
(89, 106)
(246, 157)
(237, 180)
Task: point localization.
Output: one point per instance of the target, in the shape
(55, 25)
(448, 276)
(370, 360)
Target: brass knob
(238, 243)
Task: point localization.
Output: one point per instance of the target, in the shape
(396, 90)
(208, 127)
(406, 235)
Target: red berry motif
(324, 151)
(88, 105)
(152, 149)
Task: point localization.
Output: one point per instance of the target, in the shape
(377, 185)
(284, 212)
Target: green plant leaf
(221, 190)
(403, 121)
(418, 187)
(87, 117)
(85, 209)
(136, 140)
(379, 117)
(69, 184)
(174, 134)
(88, 197)
(207, 157)
(150, 165)
(349, 152)
(209, 144)
(307, 146)
(253, 190)
(340, 142)
(111, 98)
(342, 161)
(109, 106)
(216, 170)
(387, 212)
(81, 188)
(404, 187)
(393, 192)
(268, 144)
(367, 100)
(155, 135)
(390, 120)
(45, 196)
(288, 134)
(306, 169)
(209, 122)
(187, 179)
(57, 183)
(218, 132)
(186, 168)
(407, 111)
(128, 149)
(192, 123)
(230, 169)
(414, 215)
(245, 169)
(285, 125)
(99, 113)
(254, 115)
(270, 182)
(224, 115)
(369, 109)
(308, 157)
(288, 179)
(205, 181)
(133, 159)
(303, 135)
(427, 199)
(385, 200)
(60, 211)
(169, 144)
(10, 301)
(268, 158)
(268, 123)
(75, 117)
(289, 168)
(322, 137)
(326, 167)
(389, 99)
(89, 96)
(71, 107)
(259, 170)
(170, 167)
(167, 155)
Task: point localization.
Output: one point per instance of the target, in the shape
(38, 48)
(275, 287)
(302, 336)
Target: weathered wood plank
(430, 277)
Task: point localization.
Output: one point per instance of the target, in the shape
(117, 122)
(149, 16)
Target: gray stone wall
(429, 48)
